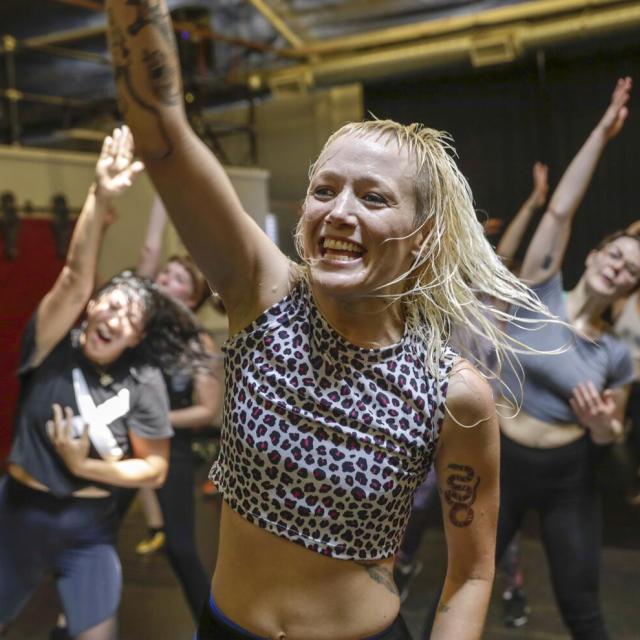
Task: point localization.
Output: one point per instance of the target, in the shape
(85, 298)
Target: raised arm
(235, 255)
(547, 248)
(71, 291)
(149, 261)
(513, 234)
(467, 467)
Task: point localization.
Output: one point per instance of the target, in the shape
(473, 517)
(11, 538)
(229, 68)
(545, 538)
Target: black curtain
(504, 119)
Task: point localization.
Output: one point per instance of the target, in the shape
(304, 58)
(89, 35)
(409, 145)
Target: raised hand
(597, 412)
(617, 112)
(116, 168)
(72, 450)
(540, 184)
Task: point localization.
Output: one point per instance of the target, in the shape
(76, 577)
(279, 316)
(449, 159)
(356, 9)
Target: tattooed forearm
(149, 12)
(381, 575)
(162, 76)
(462, 486)
(163, 80)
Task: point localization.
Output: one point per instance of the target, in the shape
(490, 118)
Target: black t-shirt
(128, 398)
(180, 390)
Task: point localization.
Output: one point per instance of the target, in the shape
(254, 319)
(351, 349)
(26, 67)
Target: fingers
(622, 92)
(587, 398)
(60, 428)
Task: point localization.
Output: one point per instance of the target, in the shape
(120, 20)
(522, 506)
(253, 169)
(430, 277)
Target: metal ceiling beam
(513, 39)
(534, 10)
(277, 23)
(85, 33)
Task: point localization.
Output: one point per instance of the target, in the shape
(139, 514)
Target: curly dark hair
(172, 334)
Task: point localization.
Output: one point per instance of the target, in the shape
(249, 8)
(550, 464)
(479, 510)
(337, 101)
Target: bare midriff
(532, 432)
(24, 477)
(275, 588)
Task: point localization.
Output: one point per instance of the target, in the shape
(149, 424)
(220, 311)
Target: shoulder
(146, 375)
(469, 396)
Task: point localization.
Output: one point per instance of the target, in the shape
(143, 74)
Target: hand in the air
(116, 167)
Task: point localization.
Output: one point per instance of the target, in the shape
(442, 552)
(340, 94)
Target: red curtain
(23, 282)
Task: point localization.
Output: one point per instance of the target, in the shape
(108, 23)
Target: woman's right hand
(540, 184)
(116, 167)
(617, 111)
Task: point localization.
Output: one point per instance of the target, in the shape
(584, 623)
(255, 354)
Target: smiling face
(614, 270)
(114, 323)
(176, 281)
(358, 218)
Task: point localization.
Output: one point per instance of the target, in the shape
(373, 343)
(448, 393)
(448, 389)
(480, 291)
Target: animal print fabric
(324, 443)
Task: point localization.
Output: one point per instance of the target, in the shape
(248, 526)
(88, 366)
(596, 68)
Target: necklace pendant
(105, 379)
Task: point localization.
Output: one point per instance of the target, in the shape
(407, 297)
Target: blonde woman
(341, 390)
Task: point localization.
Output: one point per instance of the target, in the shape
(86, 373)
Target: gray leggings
(73, 538)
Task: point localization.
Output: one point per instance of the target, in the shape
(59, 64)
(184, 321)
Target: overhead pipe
(533, 10)
(277, 23)
(455, 48)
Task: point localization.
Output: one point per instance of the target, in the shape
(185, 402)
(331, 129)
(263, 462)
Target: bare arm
(208, 398)
(71, 291)
(235, 255)
(148, 467)
(513, 234)
(548, 246)
(467, 466)
(149, 262)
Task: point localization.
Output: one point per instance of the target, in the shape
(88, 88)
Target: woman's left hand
(597, 412)
(72, 450)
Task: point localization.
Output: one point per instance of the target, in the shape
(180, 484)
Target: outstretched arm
(467, 467)
(512, 236)
(71, 291)
(235, 255)
(548, 246)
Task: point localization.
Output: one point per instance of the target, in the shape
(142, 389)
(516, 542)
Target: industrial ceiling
(56, 82)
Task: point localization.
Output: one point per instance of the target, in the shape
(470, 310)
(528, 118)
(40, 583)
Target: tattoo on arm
(381, 575)
(162, 82)
(548, 259)
(462, 484)
(150, 13)
(162, 77)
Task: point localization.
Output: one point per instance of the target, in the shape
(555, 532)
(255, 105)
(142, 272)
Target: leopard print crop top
(324, 443)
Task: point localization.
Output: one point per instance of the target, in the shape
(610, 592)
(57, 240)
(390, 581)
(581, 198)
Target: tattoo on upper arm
(462, 484)
(381, 575)
(547, 262)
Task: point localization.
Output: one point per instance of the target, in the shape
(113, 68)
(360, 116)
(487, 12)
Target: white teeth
(341, 245)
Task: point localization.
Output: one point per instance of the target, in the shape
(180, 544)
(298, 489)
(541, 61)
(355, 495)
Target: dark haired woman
(92, 415)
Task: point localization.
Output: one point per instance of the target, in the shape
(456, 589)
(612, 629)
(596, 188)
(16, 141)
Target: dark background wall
(542, 108)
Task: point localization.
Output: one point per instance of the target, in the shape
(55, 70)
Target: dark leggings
(560, 485)
(178, 511)
(214, 625)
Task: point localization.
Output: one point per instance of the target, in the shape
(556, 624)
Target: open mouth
(341, 250)
(103, 334)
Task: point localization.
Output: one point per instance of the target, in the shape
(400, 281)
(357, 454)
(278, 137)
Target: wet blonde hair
(457, 291)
